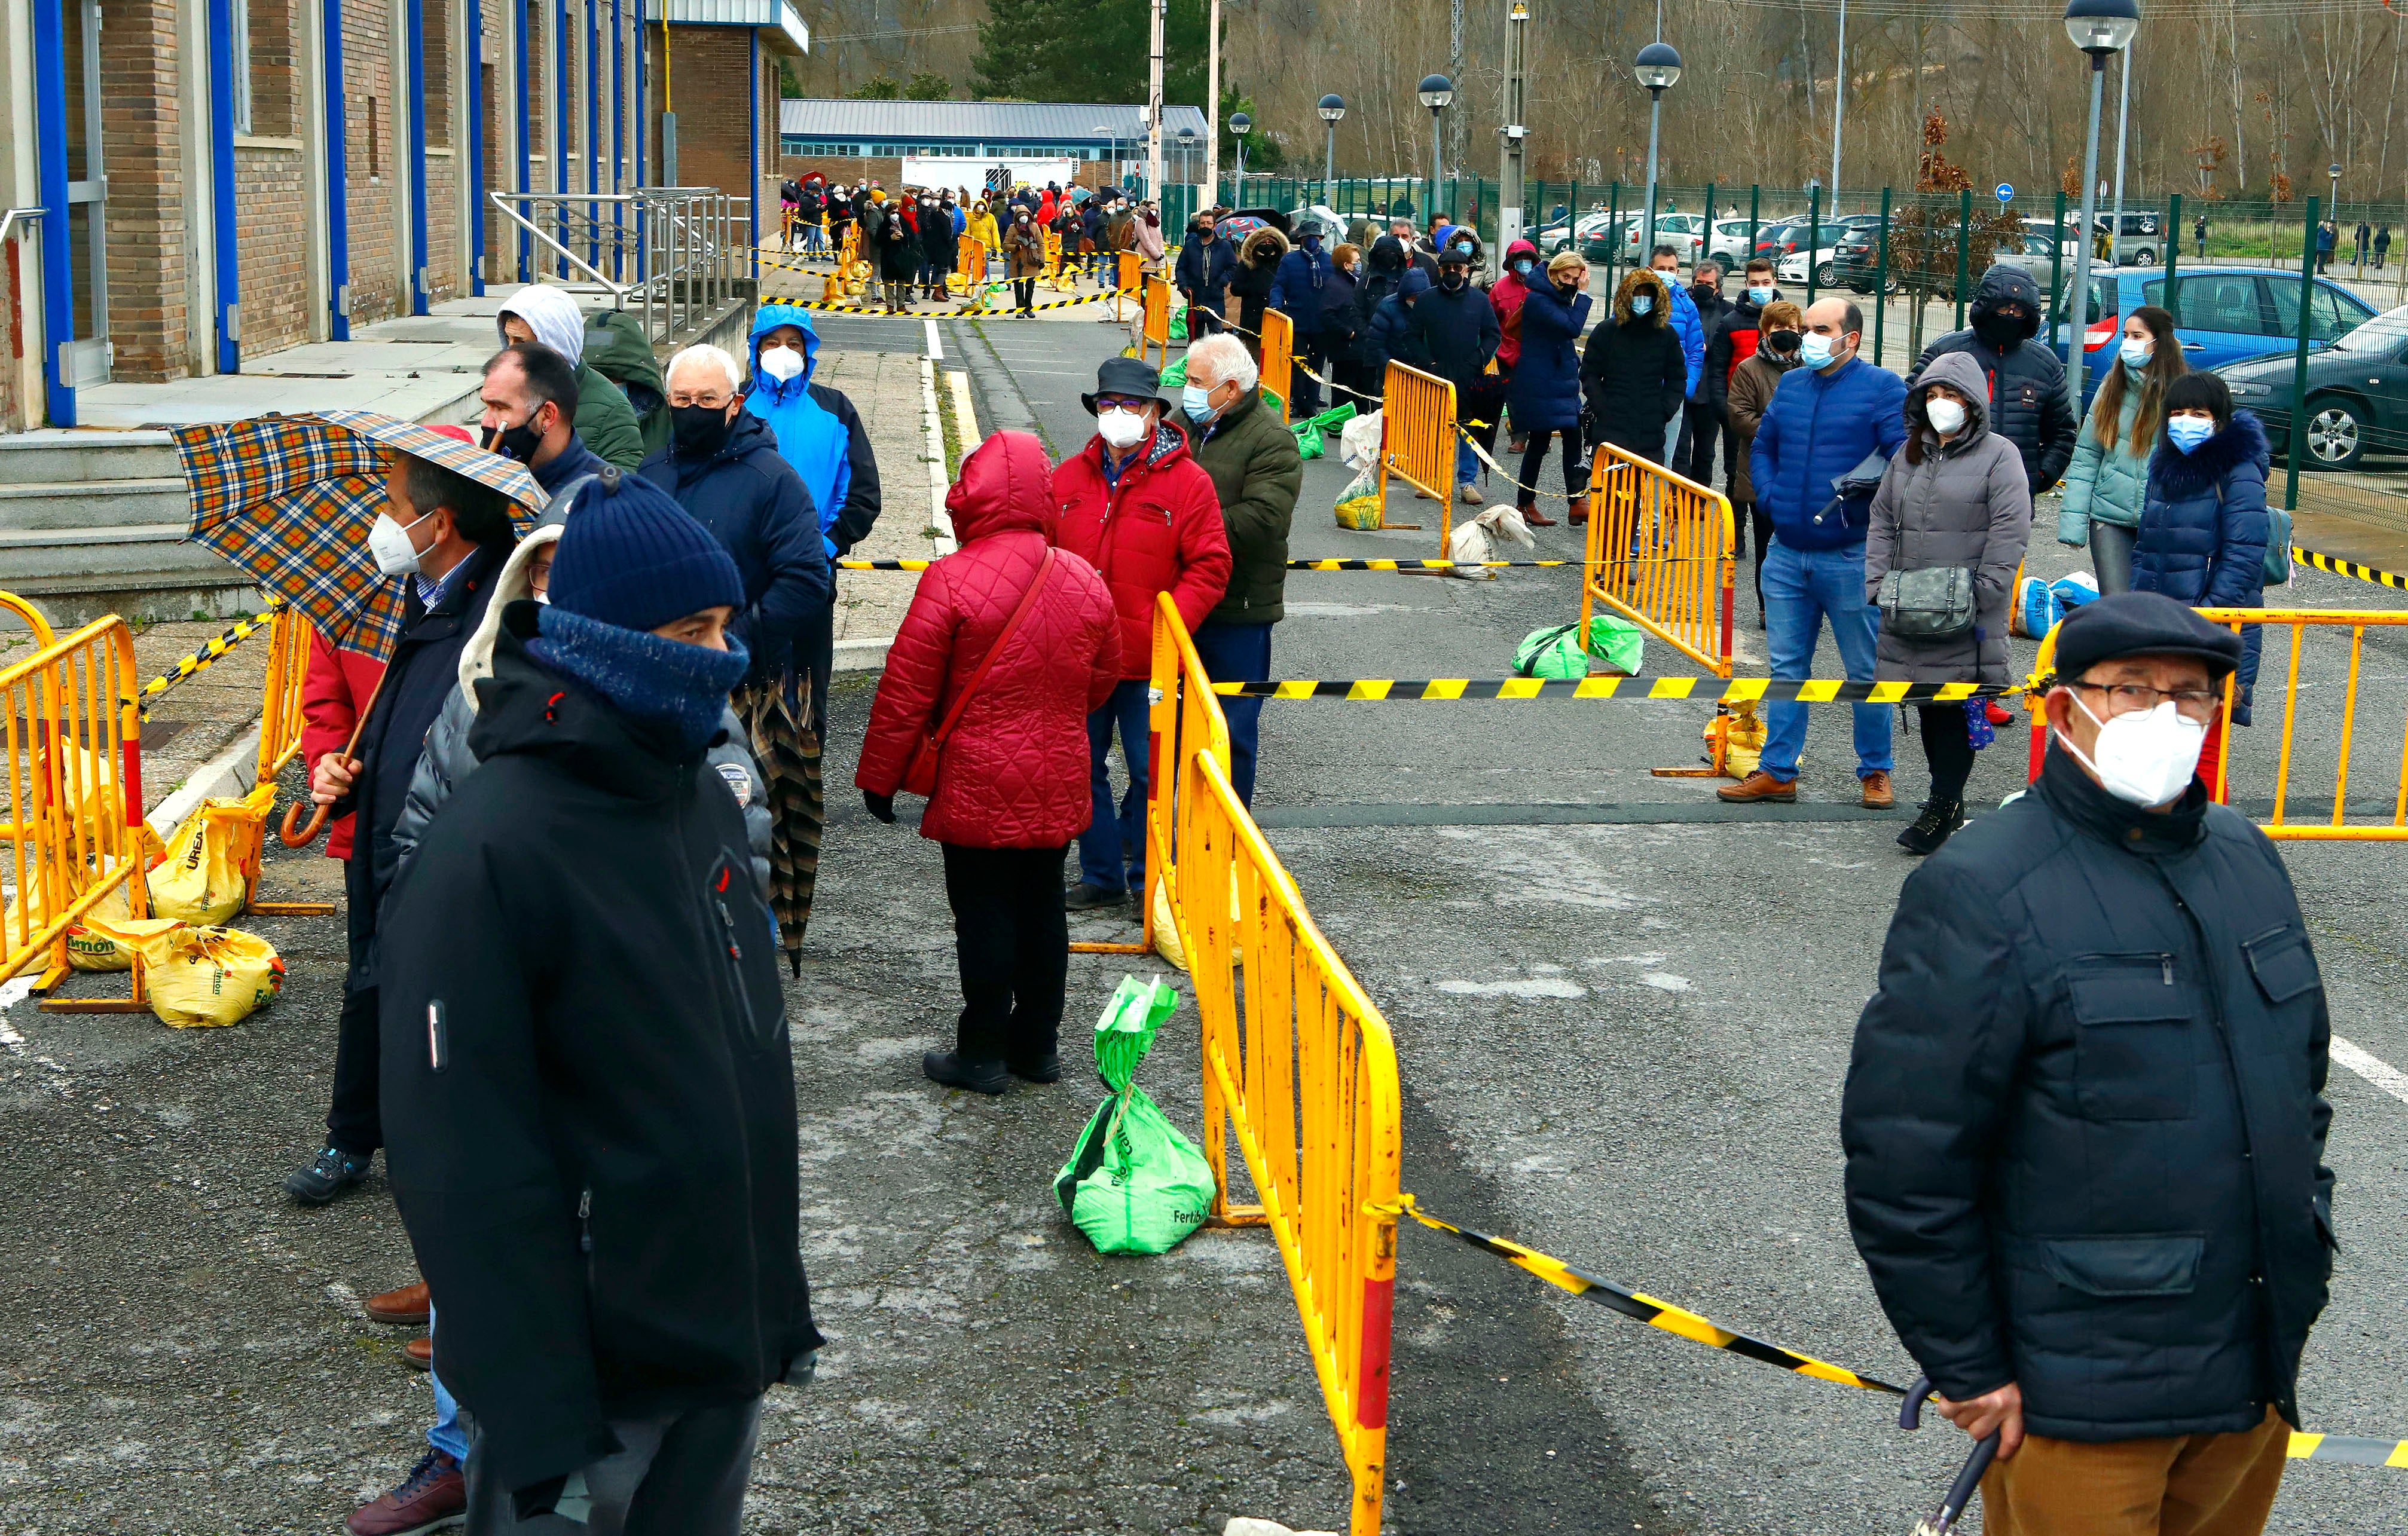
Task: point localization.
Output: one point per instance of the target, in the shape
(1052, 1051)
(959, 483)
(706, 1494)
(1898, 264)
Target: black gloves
(881, 806)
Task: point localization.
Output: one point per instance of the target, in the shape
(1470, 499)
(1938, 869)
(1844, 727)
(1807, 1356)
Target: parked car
(1791, 268)
(2224, 314)
(1729, 242)
(1683, 232)
(2356, 394)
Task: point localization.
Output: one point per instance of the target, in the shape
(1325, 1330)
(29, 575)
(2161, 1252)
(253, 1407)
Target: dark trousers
(1534, 458)
(678, 1475)
(353, 1124)
(1203, 319)
(1477, 407)
(1946, 748)
(1748, 516)
(1013, 941)
(1237, 653)
(1112, 851)
(1303, 386)
(1704, 427)
(1024, 293)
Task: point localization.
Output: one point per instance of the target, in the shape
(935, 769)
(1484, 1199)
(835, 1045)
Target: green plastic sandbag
(1179, 325)
(1309, 443)
(1551, 652)
(1175, 376)
(1133, 1183)
(1620, 644)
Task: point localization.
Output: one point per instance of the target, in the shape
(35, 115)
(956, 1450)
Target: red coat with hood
(1014, 774)
(1505, 296)
(1159, 530)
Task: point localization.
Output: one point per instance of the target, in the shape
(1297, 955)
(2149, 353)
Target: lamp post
(2099, 28)
(1435, 92)
(2332, 203)
(1187, 153)
(1333, 106)
(1509, 189)
(1239, 126)
(1112, 133)
(1657, 66)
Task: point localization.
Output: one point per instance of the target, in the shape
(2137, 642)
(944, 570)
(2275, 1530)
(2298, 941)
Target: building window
(240, 44)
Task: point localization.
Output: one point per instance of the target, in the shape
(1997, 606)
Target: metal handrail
(672, 261)
(11, 218)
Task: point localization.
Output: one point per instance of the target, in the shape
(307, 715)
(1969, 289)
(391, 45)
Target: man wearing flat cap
(2084, 1119)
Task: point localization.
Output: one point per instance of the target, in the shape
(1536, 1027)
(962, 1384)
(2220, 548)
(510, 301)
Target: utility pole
(1839, 109)
(1509, 180)
(1212, 103)
(1153, 106)
(1455, 72)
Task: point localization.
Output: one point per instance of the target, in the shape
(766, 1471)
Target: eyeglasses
(2199, 703)
(707, 399)
(1126, 403)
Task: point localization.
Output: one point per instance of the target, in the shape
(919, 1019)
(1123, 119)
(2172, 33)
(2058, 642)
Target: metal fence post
(1814, 234)
(1613, 235)
(2299, 428)
(2056, 267)
(1881, 278)
(1706, 248)
(1964, 248)
(2174, 257)
(1755, 223)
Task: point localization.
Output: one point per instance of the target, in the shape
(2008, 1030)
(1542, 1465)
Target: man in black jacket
(591, 1080)
(2084, 1123)
(1704, 414)
(1457, 326)
(446, 537)
(2028, 404)
(1202, 274)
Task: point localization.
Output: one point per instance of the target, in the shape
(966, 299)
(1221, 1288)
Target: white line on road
(936, 347)
(2382, 1074)
(939, 480)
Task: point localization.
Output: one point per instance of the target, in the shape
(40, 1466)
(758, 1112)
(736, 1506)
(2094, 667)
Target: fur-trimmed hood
(2178, 475)
(1639, 280)
(1263, 248)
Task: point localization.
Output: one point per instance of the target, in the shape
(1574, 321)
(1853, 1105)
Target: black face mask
(698, 431)
(520, 442)
(1702, 292)
(1451, 279)
(1780, 341)
(1999, 331)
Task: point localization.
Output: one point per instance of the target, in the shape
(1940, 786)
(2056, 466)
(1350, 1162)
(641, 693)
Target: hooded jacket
(588, 1083)
(1458, 332)
(446, 759)
(1505, 296)
(1300, 291)
(616, 348)
(1252, 280)
(1692, 332)
(603, 419)
(981, 229)
(2026, 383)
(1014, 774)
(1384, 267)
(755, 504)
(2084, 1121)
(1546, 388)
(1819, 428)
(1157, 530)
(1391, 337)
(937, 242)
(1964, 504)
(2106, 484)
(2203, 531)
(1632, 377)
(819, 432)
(1256, 474)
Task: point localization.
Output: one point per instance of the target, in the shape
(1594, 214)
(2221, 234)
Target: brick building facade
(200, 182)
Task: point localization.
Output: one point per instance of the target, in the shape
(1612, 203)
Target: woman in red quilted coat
(1011, 774)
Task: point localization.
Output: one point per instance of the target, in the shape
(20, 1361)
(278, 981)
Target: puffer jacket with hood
(2106, 484)
(819, 432)
(1966, 505)
(1391, 337)
(1384, 267)
(1252, 279)
(1505, 296)
(615, 345)
(1158, 529)
(1459, 331)
(1300, 292)
(2203, 532)
(2026, 381)
(936, 241)
(1632, 375)
(1546, 388)
(446, 759)
(1014, 774)
(605, 420)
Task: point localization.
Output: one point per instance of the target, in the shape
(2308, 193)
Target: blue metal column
(476, 175)
(643, 165)
(752, 141)
(519, 138)
(592, 129)
(50, 148)
(227, 300)
(619, 131)
(414, 167)
(338, 219)
(560, 122)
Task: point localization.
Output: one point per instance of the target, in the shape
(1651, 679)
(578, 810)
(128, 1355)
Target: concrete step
(140, 570)
(51, 456)
(78, 506)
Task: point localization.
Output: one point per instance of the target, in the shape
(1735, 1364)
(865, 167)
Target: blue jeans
(1803, 587)
(1237, 653)
(1112, 851)
(1466, 463)
(445, 1433)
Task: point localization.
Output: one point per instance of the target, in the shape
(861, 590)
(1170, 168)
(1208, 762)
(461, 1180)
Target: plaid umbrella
(788, 749)
(290, 500)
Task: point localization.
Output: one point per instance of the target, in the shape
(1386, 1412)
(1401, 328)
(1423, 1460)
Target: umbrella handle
(309, 834)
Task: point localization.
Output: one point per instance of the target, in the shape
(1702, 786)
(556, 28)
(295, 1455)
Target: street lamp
(1239, 126)
(1115, 135)
(2101, 28)
(1333, 106)
(1187, 152)
(1435, 92)
(1657, 66)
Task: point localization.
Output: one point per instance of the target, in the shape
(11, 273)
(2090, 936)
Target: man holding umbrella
(447, 536)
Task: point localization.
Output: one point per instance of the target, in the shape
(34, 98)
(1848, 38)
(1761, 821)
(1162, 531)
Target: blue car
(2227, 313)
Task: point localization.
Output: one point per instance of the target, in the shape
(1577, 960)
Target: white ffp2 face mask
(2145, 757)
(780, 362)
(389, 542)
(1122, 429)
(1945, 415)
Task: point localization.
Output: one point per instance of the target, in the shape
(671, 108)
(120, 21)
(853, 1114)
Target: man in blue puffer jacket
(1829, 414)
(1692, 332)
(1301, 293)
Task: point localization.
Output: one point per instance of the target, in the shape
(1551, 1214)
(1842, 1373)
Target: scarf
(666, 682)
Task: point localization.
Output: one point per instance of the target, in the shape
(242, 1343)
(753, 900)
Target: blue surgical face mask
(2136, 353)
(1815, 350)
(1760, 296)
(1643, 305)
(1196, 401)
(2188, 432)
(1522, 266)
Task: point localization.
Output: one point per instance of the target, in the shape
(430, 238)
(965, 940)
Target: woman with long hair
(2107, 484)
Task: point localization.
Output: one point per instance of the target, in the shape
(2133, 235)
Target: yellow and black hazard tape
(825, 307)
(242, 630)
(1643, 1308)
(1734, 690)
(2348, 568)
(1293, 565)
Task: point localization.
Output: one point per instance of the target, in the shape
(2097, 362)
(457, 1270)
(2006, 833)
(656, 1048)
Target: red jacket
(1159, 530)
(337, 683)
(1014, 774)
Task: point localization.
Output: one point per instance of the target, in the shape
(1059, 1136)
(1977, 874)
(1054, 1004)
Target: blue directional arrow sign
(2006, 192)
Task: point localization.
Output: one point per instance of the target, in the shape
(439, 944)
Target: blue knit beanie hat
(631, 556)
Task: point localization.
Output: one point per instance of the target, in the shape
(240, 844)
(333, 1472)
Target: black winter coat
(589, 1083)
(1459, 331)
(1251, 279)
(1390, 339)
(2028, 404)
(1634, 378)
(755, 504)
(2084, 1118)
(1203, 269)
(1341, 317)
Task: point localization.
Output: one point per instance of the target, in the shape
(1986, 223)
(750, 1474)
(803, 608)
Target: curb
(861, 655)
(231, 774)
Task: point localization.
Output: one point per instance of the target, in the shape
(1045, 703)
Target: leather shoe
(405, 1307)
(1085, 897)
(1537, 519)
(1878, 796)
(1758, 786)
(433, 1497)
(420, 1352)
(950, 1069)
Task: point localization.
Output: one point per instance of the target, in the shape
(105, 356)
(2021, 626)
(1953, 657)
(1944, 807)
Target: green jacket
(605, 420)
(616, 344)
(2101, 485)
(1251, 457)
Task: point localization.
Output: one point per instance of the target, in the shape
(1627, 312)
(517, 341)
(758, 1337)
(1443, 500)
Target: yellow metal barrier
(1418, 441)
(1279, 357)
(1661, 554)
(1298, 1062)
(32, 615)
(73, 735)
(280, 724)
(969, 267)
(1156, 332)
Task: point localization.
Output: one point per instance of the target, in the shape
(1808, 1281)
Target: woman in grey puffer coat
(446, 759)
(1955, 495)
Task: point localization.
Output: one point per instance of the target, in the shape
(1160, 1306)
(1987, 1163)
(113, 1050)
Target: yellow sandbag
(93, 941)
(1166, 932)
(201, 978)
(201, 879)
(1742, 735)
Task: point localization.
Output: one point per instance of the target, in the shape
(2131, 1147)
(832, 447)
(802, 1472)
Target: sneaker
(433, 1497)
(1758, 784)
(948, 1069)
(1939, 817)
(1878, 795)
(1087, 897)
(1469, 494)
(1037, 1069)
(329, 1174)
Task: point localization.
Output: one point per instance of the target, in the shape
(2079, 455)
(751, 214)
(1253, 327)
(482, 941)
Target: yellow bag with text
(201, 978)
(94, 941)
(201, 879)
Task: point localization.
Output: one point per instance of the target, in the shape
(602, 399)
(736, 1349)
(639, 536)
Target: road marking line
(936, 347)
(939, 480)
(2382, 1074)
